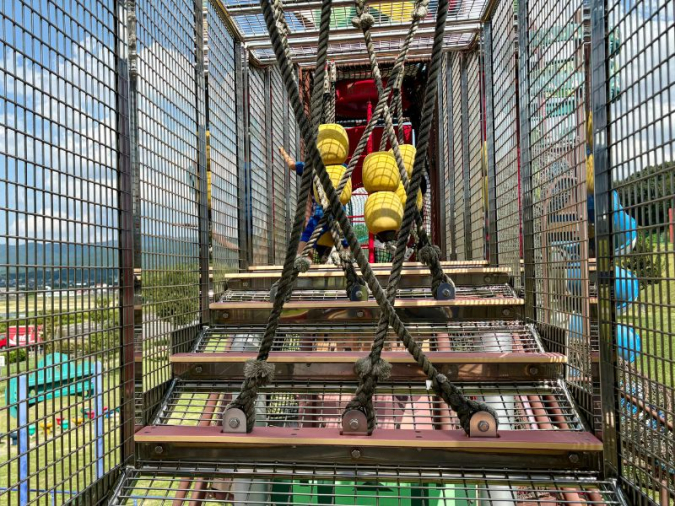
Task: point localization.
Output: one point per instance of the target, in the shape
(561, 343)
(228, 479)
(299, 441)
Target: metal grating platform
(544, 406)
(466, 337)
(462, 292)
(391, 22)
(271, 484)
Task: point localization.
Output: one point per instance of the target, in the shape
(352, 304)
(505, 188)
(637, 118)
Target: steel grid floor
(541, 406)
(465, 337)
(270, 484)
(462, 292)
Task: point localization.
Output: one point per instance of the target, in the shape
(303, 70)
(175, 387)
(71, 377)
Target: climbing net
(371, 368)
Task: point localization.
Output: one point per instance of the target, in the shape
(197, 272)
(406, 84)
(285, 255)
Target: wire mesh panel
(279, 123)
(456, 144)
(259, 170)
(168, 150)
(639, 41)
(556, 60)
(222, 147)
(507, 174)
(238, 484)
(476, 182)
(61, 363)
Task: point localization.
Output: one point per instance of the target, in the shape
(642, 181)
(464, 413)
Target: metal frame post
(525, 168)
(604, 243)
(126, 180)
(245, 221)
(267, 93)
(466, 161)
(202, 176)
(450, 136)
(441, 165)
(493, 254)
(22, 421)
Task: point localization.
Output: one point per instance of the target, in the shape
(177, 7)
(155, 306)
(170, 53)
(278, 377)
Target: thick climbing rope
(345, 261)
(397, 70)
(259, 372)
(429, 254)
(371, 367)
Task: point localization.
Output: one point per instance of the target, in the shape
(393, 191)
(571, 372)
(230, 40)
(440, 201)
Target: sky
(645, 118)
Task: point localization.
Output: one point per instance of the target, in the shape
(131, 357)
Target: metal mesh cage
(635, 188)
(222, 144)
(64, 176)
(456, 142)
(166, 98)
(475, 183)
(259, 171)
(505, 113)
(555, 52)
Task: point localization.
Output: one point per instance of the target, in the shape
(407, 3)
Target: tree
(648, 194)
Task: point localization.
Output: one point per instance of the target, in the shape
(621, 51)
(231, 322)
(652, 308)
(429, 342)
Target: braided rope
(372, 367)
(446, 390)
(259, 373)
(396, 71)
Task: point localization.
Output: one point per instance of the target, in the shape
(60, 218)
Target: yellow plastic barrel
(380, 172)
(383, 212)
(333, 144)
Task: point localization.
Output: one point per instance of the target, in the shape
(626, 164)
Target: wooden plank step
(271, 483)
(342, 310)
(335, 279)
(512, 449)
(340, 366)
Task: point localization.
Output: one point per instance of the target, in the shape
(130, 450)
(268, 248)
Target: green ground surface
(653, 317)
(60, 460)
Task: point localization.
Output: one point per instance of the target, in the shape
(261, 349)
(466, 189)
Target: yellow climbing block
(400, 191)
(333, 144)
(408, 152)
(335, 172)
(380, 172)
(383, 212)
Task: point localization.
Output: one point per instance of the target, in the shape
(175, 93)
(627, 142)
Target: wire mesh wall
(555, 52)
(168, 151)
(475, 184)
(279, 122)
(222, 146)
(259, 169)
(505, 114)
(61, 278)
(640, 91)
(457, 164)
(445, 169)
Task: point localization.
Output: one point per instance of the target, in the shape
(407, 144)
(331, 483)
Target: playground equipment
(57, 376)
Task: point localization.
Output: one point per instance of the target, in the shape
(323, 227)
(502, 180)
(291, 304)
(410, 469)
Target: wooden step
(452, 448)
(335, 279)
(339, 308)
(270, 483)
(466, 351)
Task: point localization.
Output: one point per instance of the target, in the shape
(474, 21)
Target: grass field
(60, 461)
(653, 317)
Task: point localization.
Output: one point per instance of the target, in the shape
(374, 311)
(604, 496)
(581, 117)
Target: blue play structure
(57, 376)
(626, 285)
(624, 227)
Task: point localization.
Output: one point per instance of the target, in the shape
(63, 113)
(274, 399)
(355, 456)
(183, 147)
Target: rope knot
(430, 254)
(363, 22)
(421, 12)
(441, 378)
(302, 264)
(380, 369)
(262, 373)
